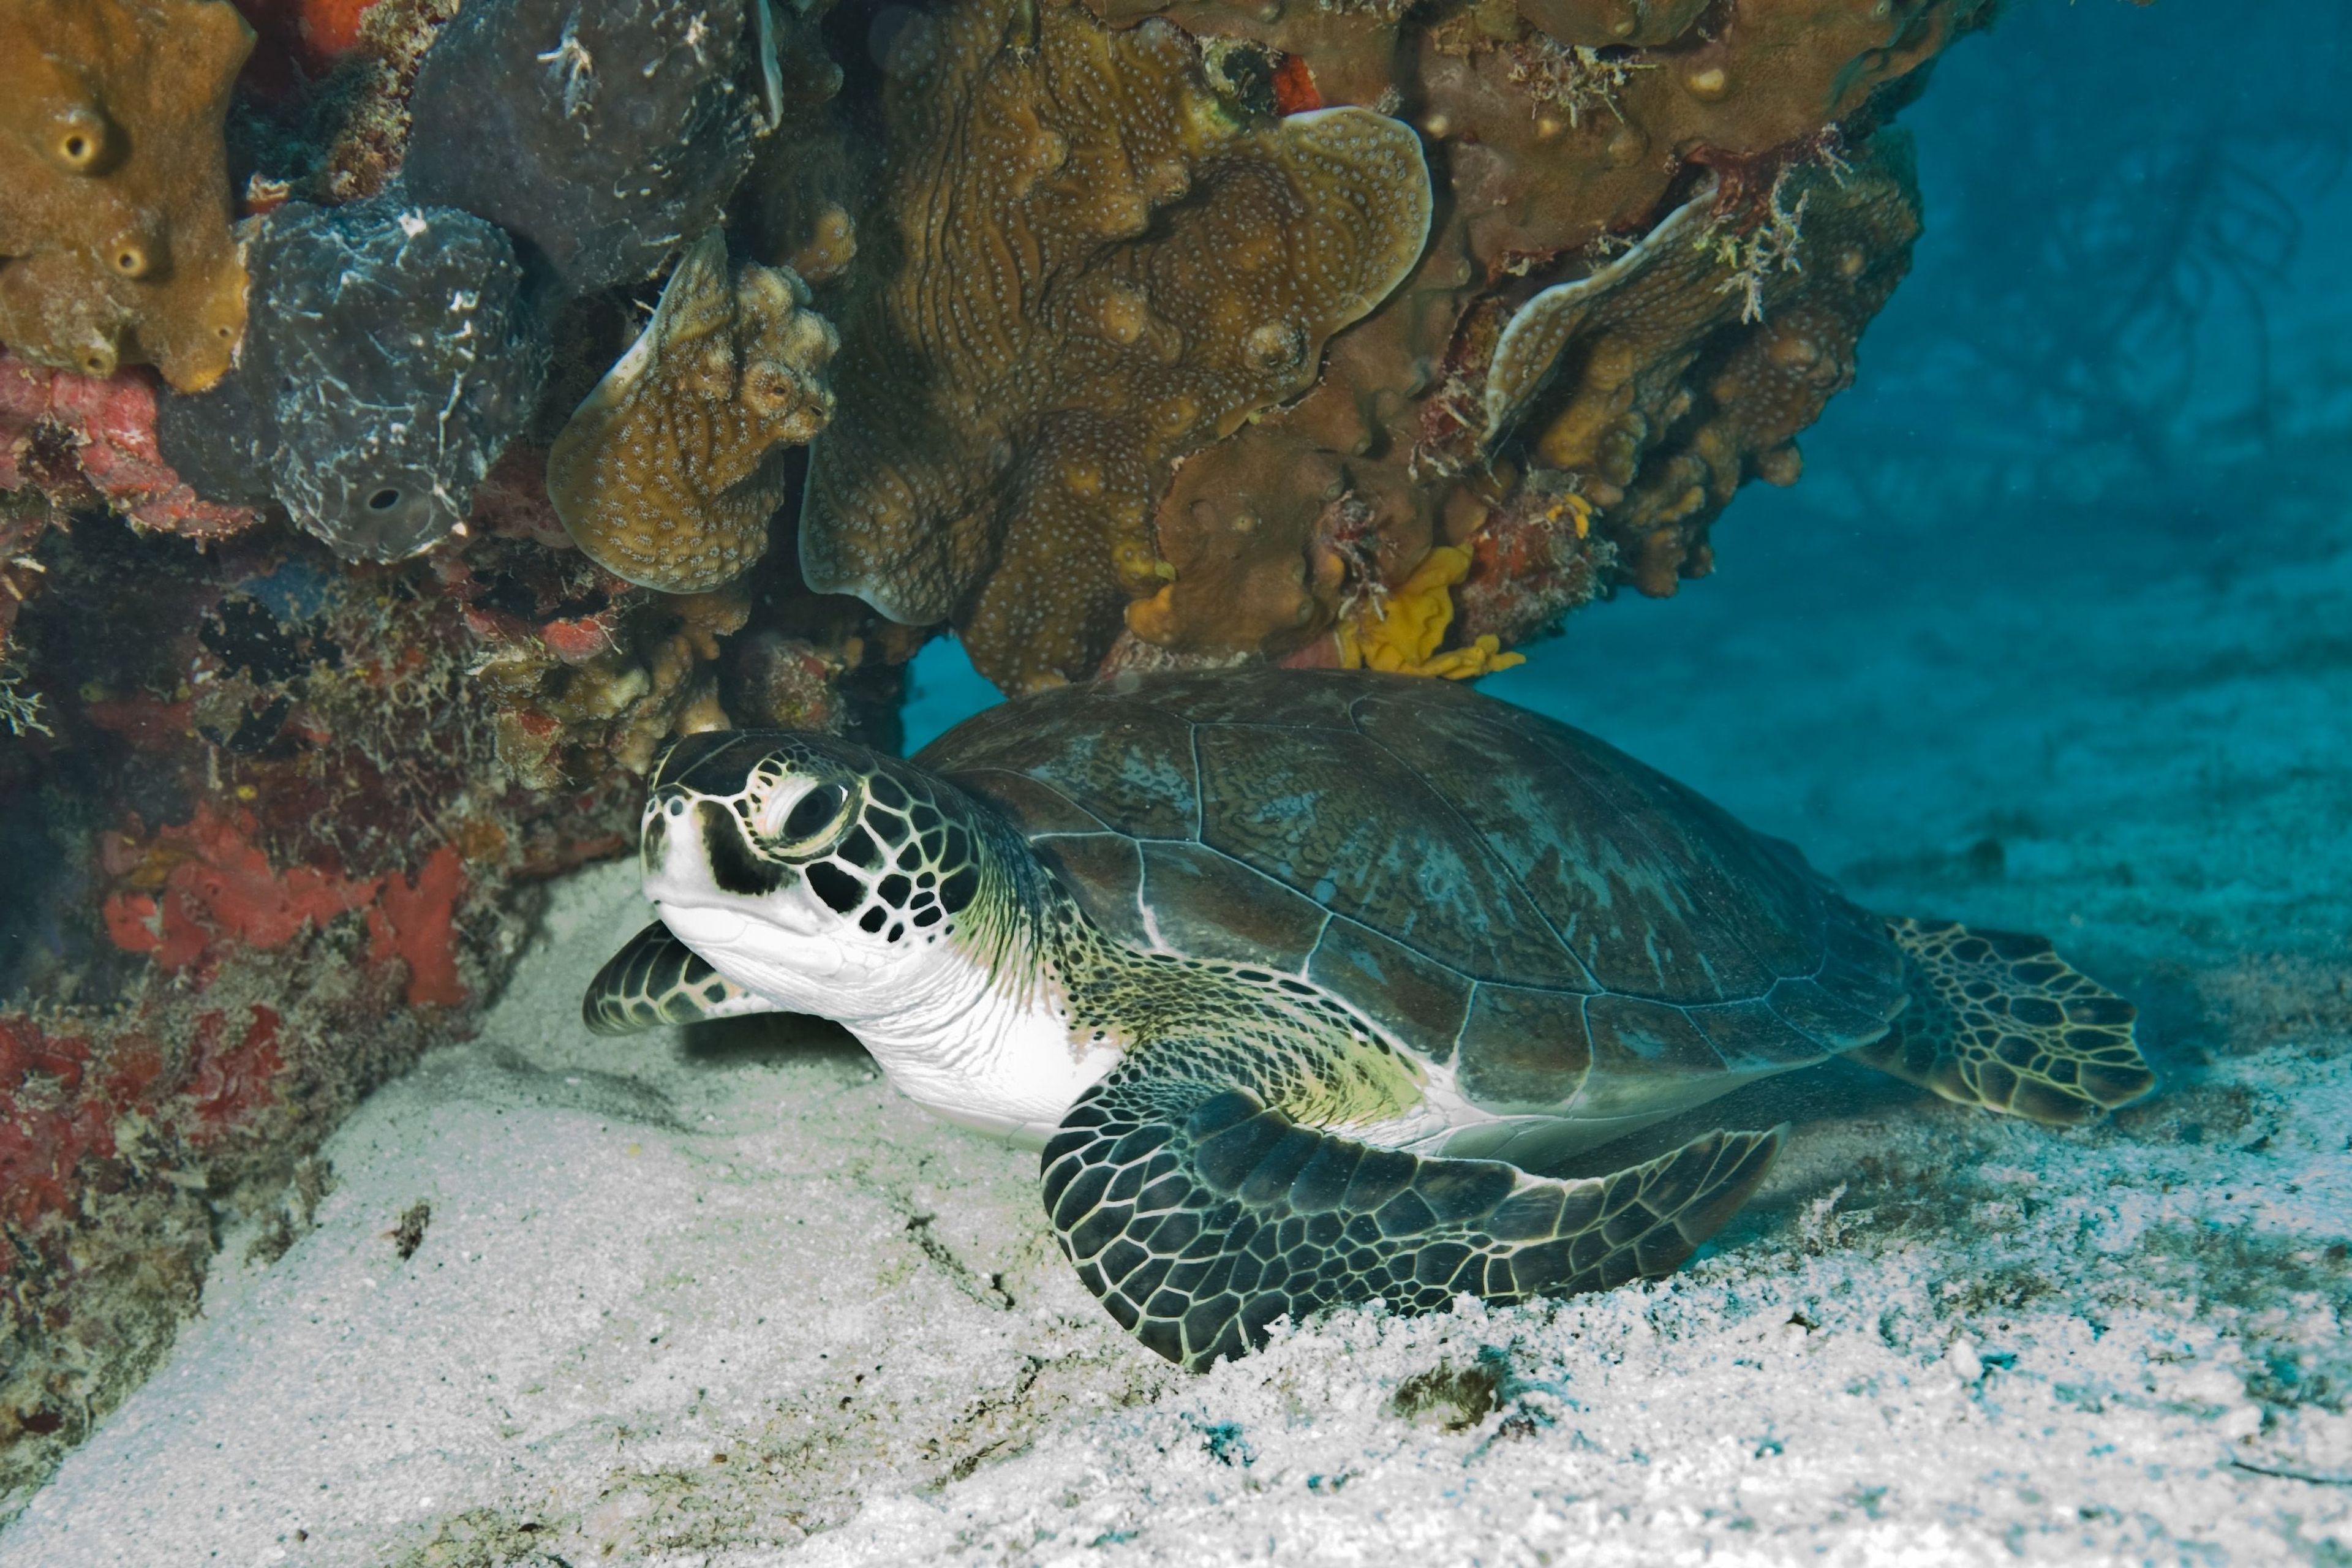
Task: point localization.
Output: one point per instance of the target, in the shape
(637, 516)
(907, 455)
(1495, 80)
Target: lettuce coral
(114, 210)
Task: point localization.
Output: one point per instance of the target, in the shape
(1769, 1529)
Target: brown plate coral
(114, 236)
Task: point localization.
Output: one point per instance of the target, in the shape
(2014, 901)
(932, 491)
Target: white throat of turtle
(974, 1026)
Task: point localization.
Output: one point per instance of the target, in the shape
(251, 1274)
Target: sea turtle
(1305, 980)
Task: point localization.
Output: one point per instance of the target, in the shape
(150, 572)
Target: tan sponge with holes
(114, 210)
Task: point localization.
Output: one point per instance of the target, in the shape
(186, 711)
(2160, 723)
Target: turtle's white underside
(996, 1054)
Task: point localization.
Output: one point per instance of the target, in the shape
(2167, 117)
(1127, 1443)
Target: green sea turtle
(1304, 979)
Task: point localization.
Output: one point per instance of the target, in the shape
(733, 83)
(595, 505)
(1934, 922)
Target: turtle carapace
(1303, 980)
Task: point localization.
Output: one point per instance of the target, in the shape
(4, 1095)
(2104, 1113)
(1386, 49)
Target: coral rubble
(669, 473)
(389, 360)
(596, 135)
(1136, 266)
(114, 216)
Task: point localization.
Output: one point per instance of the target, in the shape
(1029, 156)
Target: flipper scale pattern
(1997, 1019)
(1199, 1215)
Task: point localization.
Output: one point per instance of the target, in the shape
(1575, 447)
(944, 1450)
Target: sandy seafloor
(723, 1298)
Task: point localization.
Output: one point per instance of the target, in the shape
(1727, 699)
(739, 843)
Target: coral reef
(588, 675)
(597, 136)
(1537, 188)
(1557, 134)
(376, 75)
(1533, 559)
(260, 854)
(1668, 377)
(194, 896)
(114, 187)
(668, 474)
(321, 110)
(619, 680)
(389, 361)
(1136, 267)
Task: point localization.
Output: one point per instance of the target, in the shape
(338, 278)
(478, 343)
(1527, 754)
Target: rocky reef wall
(374, 506)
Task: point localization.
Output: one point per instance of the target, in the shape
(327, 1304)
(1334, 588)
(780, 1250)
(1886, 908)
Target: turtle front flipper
(1999, 1019)
(657, 980)
(1199, 1215)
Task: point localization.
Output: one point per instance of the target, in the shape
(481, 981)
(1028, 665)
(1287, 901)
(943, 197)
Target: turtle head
(821, 874)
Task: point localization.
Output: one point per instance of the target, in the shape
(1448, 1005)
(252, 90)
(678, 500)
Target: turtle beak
(671, 855)
(664, 813)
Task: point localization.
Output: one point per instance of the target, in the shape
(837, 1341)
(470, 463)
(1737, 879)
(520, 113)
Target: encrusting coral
(389, 361)
(59, 432)
(669, 471)
(114, 206)
(1134, 266)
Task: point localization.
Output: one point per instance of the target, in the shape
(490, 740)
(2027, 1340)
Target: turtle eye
(812, 821)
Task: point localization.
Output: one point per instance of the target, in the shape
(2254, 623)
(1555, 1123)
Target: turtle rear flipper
(1999, 1019)
(1199, 1215)
(657, 980)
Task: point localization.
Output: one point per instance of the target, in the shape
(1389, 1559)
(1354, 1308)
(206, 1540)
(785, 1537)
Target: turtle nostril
(665, 806)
